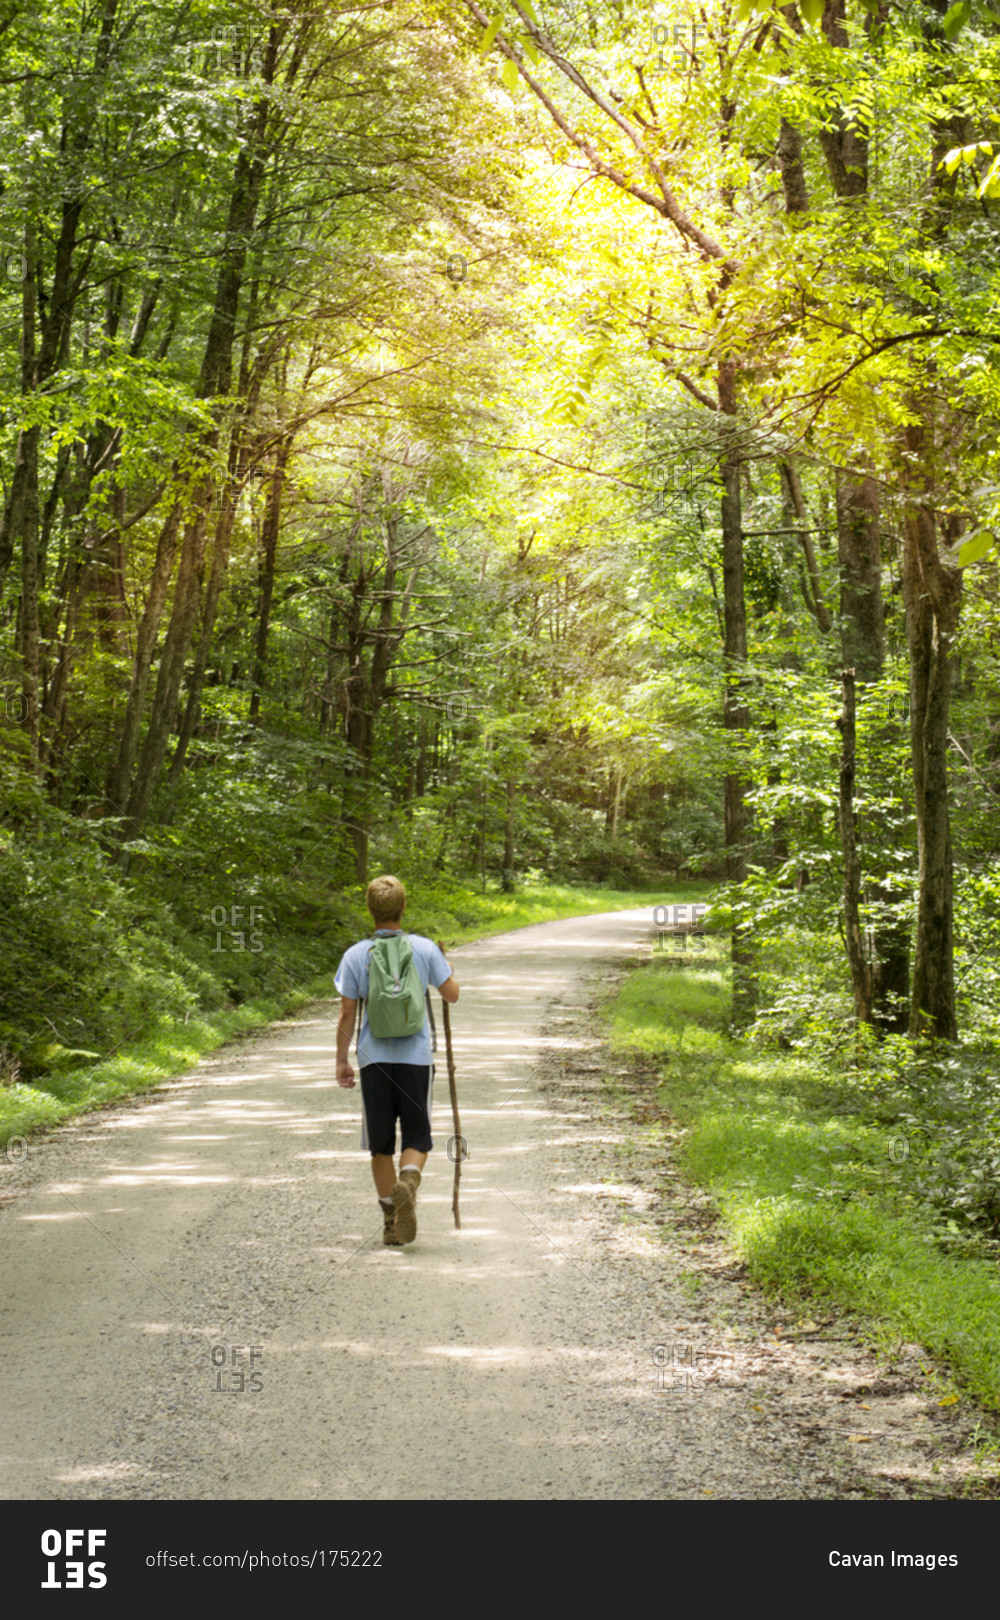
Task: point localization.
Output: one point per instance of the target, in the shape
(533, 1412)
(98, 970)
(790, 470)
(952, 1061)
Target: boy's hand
(345, 1074)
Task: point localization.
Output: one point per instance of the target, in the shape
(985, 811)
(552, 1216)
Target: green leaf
(990, 186)
(970, 551)
(486, 43)
(956, 17)
(529, 11)
(508, 74)
(530, 50)
(812, 10)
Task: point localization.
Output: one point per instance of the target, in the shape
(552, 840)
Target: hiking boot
(404, 1202)
(389, 1238)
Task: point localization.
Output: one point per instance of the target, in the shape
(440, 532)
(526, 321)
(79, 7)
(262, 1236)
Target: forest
(539, 449)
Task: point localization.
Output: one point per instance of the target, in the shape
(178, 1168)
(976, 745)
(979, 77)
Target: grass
(166, 1047)
(803, 1180)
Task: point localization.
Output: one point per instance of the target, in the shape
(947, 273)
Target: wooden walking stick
(459, 1143)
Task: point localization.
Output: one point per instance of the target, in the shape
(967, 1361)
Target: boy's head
(385, 898)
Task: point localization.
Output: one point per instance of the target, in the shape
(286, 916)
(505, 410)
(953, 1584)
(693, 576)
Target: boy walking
(396, 1071)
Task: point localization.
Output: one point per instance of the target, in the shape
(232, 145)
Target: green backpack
(395, 990)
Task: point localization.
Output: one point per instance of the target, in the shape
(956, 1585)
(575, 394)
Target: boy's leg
(380, 1109)
(412, 1083)
(378, 1101)
(413, 1091)
(384, 1173)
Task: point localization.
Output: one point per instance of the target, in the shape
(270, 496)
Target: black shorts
(391, 1091)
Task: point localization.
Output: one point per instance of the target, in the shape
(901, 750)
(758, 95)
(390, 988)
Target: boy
(397, 1073)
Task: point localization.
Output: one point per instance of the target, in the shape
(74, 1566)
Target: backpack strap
(364, 1003)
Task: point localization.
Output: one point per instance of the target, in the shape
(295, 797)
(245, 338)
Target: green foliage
(89, 960)
(836, 1184)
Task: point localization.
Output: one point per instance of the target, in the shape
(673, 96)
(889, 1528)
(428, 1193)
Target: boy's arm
(345, 1030)
(449, 989)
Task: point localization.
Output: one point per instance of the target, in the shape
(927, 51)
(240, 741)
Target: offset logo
(67, 1569)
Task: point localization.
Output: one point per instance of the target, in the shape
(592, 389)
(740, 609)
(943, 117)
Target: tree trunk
(861, 978)
(932, 597)
(793, 178)
(845, 147)
(859, 554)
(29, 627)
(862, 631)
(328, 695)
(507, 881)
(862, 636)
(269, 553)
(21, 514)
(614, 805)
(359, 735)
(736, 712)
(196, 680)
(159, 584)
(798, 517)
(171, 670)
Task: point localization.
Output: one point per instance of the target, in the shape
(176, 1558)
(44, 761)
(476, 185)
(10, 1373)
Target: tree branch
(667, 204)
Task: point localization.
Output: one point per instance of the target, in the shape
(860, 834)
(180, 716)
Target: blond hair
(385, 898)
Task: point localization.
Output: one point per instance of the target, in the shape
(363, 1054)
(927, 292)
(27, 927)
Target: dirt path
(580, 1337)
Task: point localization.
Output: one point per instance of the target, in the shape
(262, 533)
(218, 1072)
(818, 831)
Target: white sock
(387, 1202)
(409, 1169)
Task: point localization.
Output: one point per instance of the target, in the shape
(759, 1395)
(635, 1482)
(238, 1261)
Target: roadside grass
(805, 1183)
(164, 1047)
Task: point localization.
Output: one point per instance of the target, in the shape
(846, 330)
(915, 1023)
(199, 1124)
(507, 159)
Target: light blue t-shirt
(352, 981)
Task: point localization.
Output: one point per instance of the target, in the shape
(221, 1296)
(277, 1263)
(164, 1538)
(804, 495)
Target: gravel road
(199, 1304)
